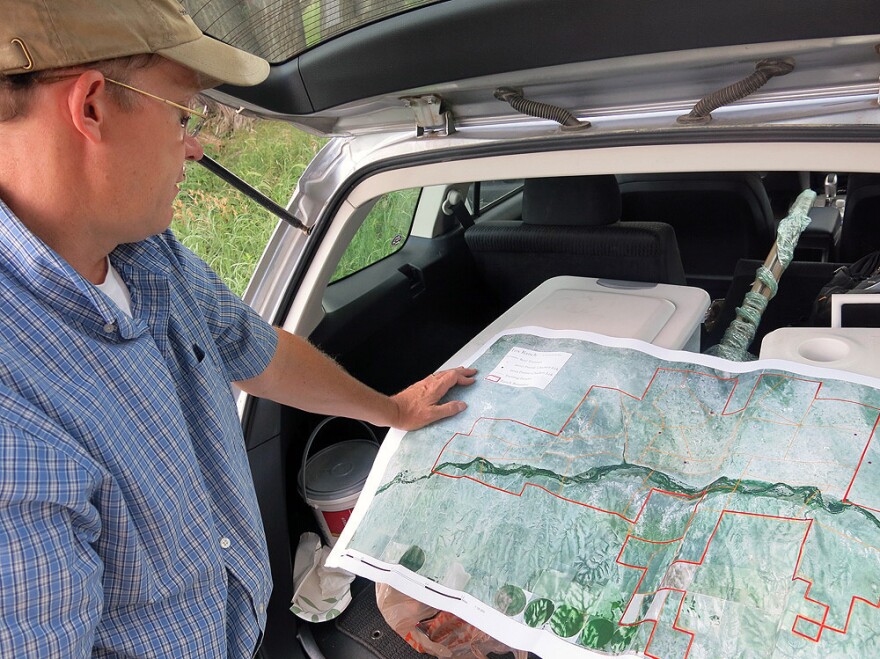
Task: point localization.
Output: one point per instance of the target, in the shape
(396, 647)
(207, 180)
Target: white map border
(468, 608)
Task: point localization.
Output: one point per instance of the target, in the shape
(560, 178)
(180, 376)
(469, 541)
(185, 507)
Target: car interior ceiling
(425, 301)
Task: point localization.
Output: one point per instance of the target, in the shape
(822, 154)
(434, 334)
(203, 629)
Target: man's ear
(87, 102)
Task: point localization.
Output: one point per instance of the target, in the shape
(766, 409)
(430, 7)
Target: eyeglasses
(192, 122)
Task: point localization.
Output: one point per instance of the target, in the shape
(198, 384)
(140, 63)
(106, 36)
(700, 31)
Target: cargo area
(435, 300)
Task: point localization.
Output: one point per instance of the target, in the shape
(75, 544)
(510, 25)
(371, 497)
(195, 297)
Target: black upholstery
(861, 217)
(784, 187)
(578, 201)
(790, 307)
(570, 226)
(718, 218)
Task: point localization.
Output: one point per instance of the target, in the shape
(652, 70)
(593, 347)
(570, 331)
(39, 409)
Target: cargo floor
(362, 633)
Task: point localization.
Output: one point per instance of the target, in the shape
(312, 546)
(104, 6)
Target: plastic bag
(435, 632)
(319, 593)
(863, 276)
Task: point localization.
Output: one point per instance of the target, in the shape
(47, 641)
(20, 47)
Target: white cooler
(853, 349)
(665, 315)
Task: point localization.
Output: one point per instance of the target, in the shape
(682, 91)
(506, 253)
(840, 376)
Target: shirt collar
(36, 267)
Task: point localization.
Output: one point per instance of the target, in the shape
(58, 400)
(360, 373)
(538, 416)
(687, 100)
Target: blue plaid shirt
(128, 520)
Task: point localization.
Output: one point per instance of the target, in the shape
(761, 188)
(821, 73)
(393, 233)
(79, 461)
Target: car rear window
(278, 30)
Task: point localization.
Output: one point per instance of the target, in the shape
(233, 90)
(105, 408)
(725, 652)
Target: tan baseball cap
(48, 34)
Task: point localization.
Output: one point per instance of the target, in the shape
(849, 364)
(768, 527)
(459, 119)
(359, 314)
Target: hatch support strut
(252, 193)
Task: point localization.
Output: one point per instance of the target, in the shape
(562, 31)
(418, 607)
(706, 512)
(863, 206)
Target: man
(128, 520)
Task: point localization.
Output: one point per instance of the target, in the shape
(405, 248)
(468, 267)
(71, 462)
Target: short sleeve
(245, 341)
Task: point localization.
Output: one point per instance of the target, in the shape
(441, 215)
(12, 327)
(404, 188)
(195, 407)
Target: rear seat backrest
(861, 217)
(718, 217)
(570, 226)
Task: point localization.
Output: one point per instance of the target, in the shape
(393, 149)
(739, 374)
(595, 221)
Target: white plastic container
(331, 481)
(853, 349)
(667, 316)
(841, 300)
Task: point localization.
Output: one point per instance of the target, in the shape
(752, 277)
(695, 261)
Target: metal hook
(30, 65)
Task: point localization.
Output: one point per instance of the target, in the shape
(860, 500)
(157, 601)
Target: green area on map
(642, 505)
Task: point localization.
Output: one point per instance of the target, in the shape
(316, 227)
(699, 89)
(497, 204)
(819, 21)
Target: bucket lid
(339, 471)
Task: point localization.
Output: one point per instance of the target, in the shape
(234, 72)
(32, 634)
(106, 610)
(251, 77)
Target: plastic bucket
(331, 481)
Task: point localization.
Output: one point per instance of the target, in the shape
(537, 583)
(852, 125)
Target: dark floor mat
(362, 622)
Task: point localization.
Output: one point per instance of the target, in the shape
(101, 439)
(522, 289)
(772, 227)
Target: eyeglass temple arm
(252, 193)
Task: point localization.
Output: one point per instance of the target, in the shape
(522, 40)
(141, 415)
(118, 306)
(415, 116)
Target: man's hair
(16, 91)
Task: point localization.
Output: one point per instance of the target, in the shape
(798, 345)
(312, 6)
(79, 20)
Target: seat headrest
(571, 200)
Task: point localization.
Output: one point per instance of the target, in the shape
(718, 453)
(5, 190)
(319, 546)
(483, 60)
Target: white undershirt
(114, 288)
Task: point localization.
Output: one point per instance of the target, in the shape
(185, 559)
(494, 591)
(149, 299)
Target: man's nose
(194, 150)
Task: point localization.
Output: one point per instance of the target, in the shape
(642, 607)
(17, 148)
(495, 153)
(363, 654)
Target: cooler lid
(632, 315)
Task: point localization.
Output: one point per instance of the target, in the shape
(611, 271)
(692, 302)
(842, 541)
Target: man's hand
(302, 376)
(417, 404)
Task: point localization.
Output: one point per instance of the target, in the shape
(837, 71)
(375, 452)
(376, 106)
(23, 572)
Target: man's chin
(155, 228)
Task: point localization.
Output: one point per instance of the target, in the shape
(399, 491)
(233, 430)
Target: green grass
(311, 18)
(230, 232)
(221, 225)
(383, 232)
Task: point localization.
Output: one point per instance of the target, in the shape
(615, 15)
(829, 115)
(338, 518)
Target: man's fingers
(466, 375)
(456, 376)
(418, 404)
(451, 408)
(446, 380)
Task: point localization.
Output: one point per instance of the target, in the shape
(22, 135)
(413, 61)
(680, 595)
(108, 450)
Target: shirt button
(110, 327)
(225, 543)
(261, 609)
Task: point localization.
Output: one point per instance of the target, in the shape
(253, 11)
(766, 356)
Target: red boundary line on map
(644, 569)
(799, 618)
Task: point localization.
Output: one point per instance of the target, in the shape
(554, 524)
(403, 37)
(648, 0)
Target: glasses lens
(196, 123)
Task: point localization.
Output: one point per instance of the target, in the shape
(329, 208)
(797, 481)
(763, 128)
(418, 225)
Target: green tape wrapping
(739, 336)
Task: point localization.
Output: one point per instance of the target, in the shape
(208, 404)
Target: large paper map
(603, 497)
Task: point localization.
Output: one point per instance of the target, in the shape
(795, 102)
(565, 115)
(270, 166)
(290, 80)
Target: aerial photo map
(602, 497)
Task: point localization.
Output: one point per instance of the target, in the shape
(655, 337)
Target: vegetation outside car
(230, 231)
(220, 224)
